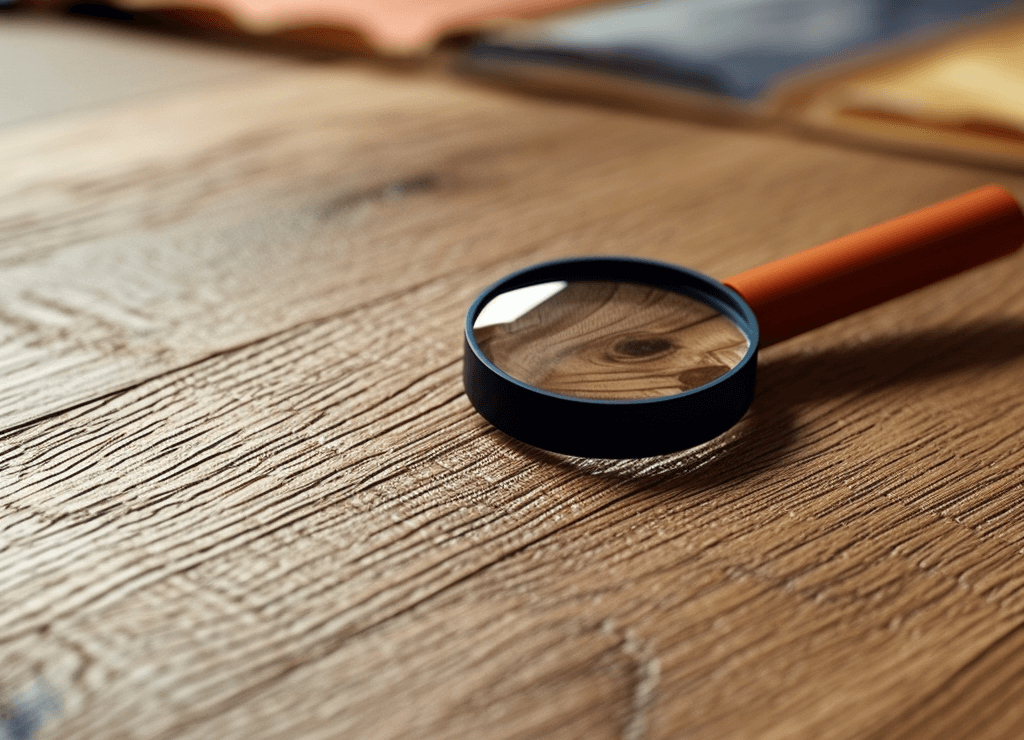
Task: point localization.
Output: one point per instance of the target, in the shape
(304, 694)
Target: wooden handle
(812, 288)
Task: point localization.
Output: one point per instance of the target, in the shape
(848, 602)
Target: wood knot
(643, 347)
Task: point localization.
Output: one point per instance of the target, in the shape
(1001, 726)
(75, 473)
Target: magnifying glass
(616, 357)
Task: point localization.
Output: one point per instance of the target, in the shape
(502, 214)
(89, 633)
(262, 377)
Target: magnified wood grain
(608, 340)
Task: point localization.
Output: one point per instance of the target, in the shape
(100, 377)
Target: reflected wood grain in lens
(610, 340)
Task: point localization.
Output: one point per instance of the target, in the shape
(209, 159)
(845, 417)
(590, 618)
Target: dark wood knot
(642, 347)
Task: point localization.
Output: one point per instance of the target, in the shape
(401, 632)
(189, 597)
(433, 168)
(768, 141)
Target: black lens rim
(616, 429)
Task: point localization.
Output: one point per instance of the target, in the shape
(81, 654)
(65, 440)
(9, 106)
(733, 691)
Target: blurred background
(934, 77)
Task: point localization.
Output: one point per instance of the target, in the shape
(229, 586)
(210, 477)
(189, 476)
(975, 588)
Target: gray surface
(54, 65)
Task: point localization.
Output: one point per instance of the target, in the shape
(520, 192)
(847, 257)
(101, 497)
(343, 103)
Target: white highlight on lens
(507, 307)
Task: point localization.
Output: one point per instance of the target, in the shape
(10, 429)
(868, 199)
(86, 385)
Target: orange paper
(391, 26)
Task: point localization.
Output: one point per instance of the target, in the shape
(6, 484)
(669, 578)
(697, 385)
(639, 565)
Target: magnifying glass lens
(607, 340)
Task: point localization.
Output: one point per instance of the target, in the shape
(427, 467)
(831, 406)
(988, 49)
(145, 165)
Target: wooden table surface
(243, 496)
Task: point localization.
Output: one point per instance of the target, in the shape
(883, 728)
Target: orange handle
(811, 288)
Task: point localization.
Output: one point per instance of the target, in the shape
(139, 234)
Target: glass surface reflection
(607, 340)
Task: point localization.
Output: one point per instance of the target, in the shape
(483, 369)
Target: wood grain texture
(243, 496)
